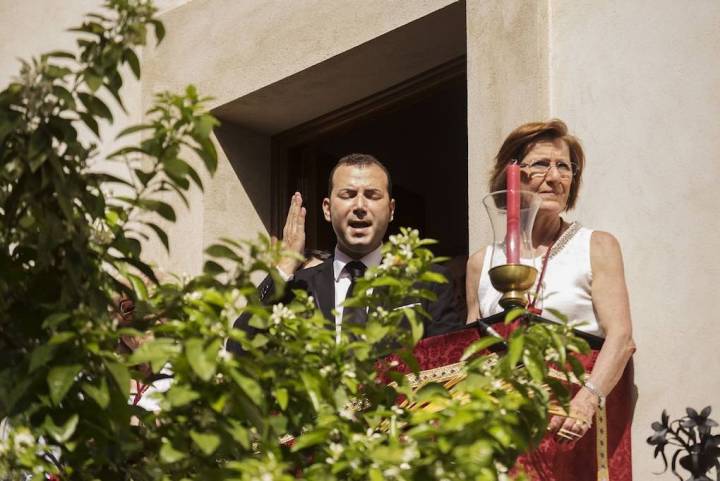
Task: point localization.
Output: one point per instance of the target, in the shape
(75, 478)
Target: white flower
(347, 413)
(23, 439)
(336, 449)
(390, 260)
(280, 312)
(391, 472)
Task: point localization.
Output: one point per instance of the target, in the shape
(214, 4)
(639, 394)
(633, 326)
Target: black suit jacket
(319, 282)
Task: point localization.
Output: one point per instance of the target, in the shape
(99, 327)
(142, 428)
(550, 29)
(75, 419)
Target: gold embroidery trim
(565, 238)
(601, 440)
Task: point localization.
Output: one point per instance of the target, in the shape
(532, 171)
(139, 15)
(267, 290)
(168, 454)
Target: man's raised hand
(293, 235)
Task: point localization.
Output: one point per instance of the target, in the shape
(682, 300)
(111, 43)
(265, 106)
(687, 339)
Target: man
(359, 206)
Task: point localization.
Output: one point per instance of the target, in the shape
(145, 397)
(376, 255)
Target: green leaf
(535, 366)
(162, 235)
(141, 266)
(176, 167)
(376, 475)
(95, 106)
(144, 177)
(578, 369)
(417, 327)
(60, 379)
(249, 386)
(558, 314)
(103, 177)
(17, 391)
(100, 395)
(514, 314)
(121, 375)
(138, 286)
(208, 153)
(92, 80)
(432, 390)
(64, 94)
(502, 434)
(309, 439)
(179, 395)
(60, 54)
(515, 348)
(281, 396)
(54, 319)
(132, 60)
(159, 30)
(221, 251)
(40, 356)
(133, 128)
(204, 125)
(238, 433)
(203, 362)
(128, 150)
(53, 71)
(61, 434)
(213, 268)
(434, 277)
(156, 351)
(90, 122)
(386, 281)
(163, 209)
(196, 178)
(207, 442)
(479, 345)
(170, 455)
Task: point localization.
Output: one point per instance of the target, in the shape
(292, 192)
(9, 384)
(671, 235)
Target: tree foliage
(69, 248)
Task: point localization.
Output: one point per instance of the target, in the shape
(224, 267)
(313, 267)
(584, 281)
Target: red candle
(512, 237)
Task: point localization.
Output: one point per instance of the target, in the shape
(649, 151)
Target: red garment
(578, 461)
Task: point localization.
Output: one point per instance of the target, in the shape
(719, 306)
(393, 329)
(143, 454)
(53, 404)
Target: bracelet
(594, 389)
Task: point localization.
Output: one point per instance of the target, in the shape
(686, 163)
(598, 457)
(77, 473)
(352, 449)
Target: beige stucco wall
(507, 62)
(639, 83)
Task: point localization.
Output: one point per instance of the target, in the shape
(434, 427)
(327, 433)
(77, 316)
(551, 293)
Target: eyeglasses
(540, 168)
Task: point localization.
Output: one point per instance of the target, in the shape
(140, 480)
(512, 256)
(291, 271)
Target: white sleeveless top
(567, 287)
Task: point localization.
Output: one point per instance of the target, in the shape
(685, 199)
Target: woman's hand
(577, 424)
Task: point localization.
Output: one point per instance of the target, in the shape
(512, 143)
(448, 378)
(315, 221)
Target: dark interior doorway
(417, 129)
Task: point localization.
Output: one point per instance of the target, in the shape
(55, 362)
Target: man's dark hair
(359, 160)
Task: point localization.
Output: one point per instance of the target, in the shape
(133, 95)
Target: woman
(584, 280)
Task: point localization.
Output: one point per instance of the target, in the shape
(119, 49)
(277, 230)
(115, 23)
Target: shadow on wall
(249, 156)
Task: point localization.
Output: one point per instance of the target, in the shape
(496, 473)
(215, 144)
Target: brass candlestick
(513, 280)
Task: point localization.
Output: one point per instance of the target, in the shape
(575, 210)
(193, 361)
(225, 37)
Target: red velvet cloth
(553, 461)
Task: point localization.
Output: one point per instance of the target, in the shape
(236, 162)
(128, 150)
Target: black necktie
(354, 314)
